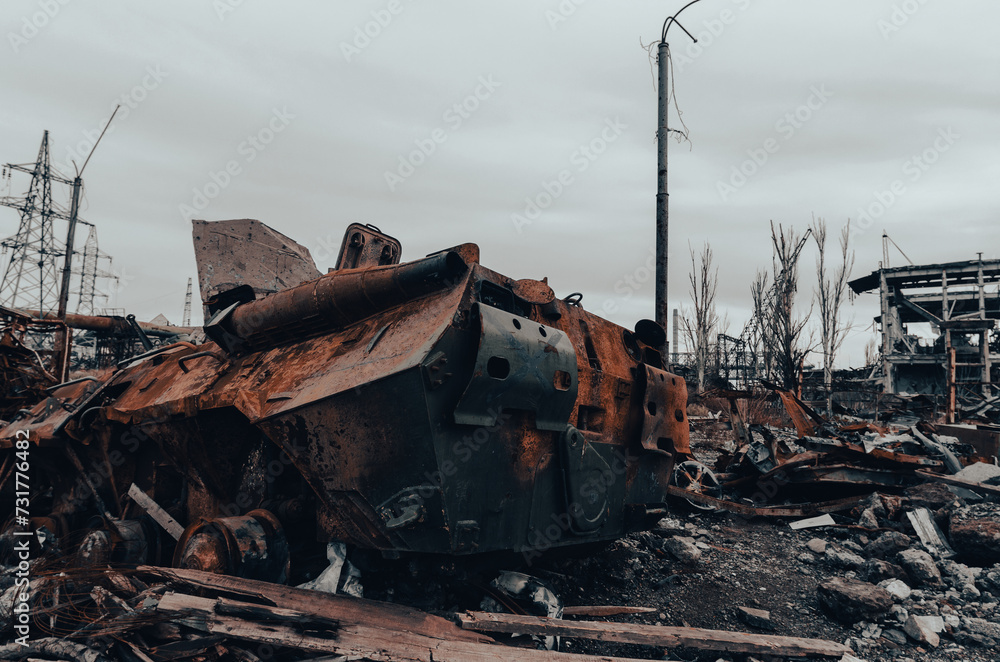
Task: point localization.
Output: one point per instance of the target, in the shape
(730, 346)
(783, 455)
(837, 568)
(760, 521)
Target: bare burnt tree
(757, 333)
(775, 328)
(871, 353)
(702, 322)
(831, 290)
(788, 328)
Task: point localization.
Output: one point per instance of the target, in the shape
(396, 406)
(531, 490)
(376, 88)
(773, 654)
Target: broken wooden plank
(368, 629)
(347, 610)
(372, 643)
(209, 615)
(605, 610)
(154, 510)
(134, 650)
(929, 533)
(655, 635)
(185, 648)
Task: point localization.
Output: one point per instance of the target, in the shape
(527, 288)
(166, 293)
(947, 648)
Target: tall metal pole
(63, 335)
(662, 197)
(74, 211)
(662, 299)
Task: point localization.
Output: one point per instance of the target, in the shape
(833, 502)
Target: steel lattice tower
(30, 280)
(90, 271)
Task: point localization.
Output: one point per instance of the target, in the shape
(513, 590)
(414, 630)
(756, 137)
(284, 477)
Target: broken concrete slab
(897, 588)
(897, 637)
(849, 601)
(931, 495)
(683, 549)
(975, 532)
(888, 545)
(979, 472)
(868, 519)
(758, 618)
(816, 545)
(986, 632)
(924, 629)
(877, 570)
(920, 567)
(838, 557)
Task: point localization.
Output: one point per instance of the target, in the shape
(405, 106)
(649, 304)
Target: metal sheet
(664, 412)
(520, 365)
(247, 252)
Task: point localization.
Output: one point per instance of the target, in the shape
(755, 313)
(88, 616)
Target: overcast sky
(316, 110)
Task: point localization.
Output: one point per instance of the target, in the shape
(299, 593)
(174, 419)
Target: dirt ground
(745, 561)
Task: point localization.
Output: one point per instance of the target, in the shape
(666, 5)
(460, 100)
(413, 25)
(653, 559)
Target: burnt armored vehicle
(432, 406)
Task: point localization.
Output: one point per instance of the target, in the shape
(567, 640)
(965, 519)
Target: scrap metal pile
(829, 467)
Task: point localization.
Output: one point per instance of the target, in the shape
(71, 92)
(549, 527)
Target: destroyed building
(959, 302)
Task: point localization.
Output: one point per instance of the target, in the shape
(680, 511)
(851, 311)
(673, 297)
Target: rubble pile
(901, 583)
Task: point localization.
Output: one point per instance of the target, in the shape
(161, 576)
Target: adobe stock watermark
(630, 283)
(580, 160)
(32, 24)
(225, 7)
(454, 117)
(370, 30)
(249, 149)
(899, 16)
(712, 29)
(913, 169)
(562, 13)
(784, 130)
(128, 102)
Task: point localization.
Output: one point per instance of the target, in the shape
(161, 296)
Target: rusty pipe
(110, 324)
(337, 299)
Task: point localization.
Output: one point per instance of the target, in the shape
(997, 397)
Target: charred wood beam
(654, 635)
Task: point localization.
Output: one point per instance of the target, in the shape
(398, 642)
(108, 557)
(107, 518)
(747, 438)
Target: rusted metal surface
(367, 246)
(985, 439)
(858, 451)
(836, 505)
(431, 406)
(247, 252)
(23, 375)
(797, 412)
(110, 323)
(252, 546)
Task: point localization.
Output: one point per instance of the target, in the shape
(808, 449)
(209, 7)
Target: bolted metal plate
(664, 405)
(521, 364)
